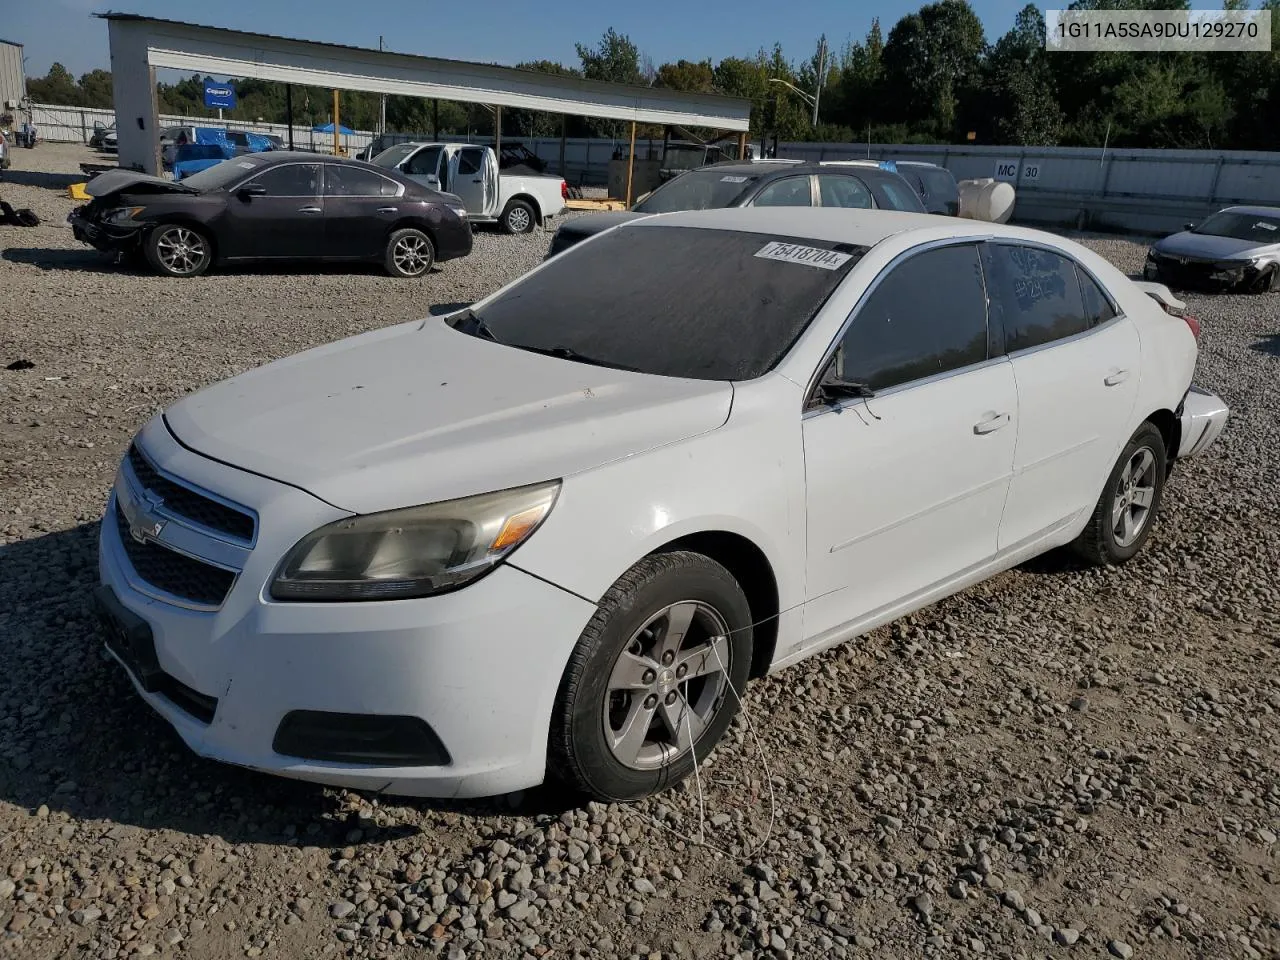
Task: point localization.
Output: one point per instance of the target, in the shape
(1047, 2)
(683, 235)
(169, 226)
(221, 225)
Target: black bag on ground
(18, 218)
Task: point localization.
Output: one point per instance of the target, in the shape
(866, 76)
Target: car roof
(1253, 211)
(834, 225)
(772, 167)
(918, 163)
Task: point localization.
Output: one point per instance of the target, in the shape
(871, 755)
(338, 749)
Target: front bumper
(1190, 273)
(109, 239)
(1203, 416)
(480, 667)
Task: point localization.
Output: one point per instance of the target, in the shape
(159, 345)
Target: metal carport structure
(140, 44)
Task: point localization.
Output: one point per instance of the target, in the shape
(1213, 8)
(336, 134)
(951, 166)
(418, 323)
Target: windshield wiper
(478, 327)
(568, 353)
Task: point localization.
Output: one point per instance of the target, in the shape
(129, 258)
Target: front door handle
(478, 180)
(308, 209)
(992, 423)
(387, 209)
(1116, 377)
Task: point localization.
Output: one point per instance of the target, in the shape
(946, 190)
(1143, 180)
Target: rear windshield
(697, 190)
(894, 193)
(672, 301)
(939, 183)
(1242, 226)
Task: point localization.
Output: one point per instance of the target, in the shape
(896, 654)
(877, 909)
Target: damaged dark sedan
(1236, 248)
(277, 206)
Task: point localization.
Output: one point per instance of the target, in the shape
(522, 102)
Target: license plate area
(129, 637)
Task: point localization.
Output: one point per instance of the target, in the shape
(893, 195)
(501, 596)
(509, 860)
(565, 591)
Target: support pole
(564, 126)
(288, 110)
(631, 161)
(497, 134)
(435, 119)
(335, 121)
(742, 145)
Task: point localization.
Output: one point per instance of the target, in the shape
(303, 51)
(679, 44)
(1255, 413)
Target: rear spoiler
(1162, 295)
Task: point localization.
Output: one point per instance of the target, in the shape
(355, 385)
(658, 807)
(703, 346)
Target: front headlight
(460, 211)
(1151, 253)
(412, 552)
(122, 214)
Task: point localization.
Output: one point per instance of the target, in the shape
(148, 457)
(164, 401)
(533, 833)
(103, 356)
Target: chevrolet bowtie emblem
(144, 523)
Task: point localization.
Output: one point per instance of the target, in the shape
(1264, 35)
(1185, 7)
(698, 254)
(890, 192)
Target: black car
(936, 185)
(274, 206)
(759, 183)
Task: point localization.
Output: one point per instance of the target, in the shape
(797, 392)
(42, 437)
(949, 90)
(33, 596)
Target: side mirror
(1188, 226)
(251, 190)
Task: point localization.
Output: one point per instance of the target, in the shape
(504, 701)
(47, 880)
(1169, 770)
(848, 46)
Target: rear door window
(787, 192)
(1037, 294)
(927, 316)
(424, 163)
(343, 181)
(470, 160)
(894, 193)
(841, 191)
(1097, 306)
(291, 180)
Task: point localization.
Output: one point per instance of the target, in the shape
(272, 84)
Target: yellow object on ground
(595, 205)
(76, 192)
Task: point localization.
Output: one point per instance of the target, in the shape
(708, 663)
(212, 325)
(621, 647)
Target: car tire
(178, 250)
(1130, 502)
(625, 677)
(518, 217)
(410, 253)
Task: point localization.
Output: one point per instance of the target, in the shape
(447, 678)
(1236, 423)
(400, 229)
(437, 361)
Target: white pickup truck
(517, 202)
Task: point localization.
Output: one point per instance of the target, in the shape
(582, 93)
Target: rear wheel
(178, 250)
(518, 217)
(410, 253)
(1126, 511)
(653, 681)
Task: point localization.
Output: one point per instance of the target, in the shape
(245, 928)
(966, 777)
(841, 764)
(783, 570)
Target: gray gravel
(1059, 761)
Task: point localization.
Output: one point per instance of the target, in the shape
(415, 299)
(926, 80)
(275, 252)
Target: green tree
(615, 59)
(932, 61)
(687, 75)
(1018, 103)
(57, 87)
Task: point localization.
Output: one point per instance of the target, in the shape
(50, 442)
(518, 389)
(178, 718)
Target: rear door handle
(992, 424)
(477, 180)
(309, 210)
(1116, 377)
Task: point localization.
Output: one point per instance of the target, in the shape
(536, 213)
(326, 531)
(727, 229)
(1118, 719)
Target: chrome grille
(188, 504)
(174, 573)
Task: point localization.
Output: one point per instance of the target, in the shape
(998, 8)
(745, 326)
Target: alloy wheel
(181, 250)
(411, 255)
(1134, 494)
(667, 685)
(518, 220)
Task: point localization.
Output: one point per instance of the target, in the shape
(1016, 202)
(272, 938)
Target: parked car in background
(274, 206)
(558, 531)
(516, 202)
(936, 185)
(848, 184)
(1237, 247)
(5, 159)
(97, 139)
(109, 144)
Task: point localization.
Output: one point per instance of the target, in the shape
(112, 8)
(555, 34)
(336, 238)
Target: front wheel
(518, 217)
(410, 253)
(654, 680)
(1126, 511)
(177, 250)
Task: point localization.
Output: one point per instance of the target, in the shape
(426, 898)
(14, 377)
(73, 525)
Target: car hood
(418, 413)
(115, 181)
(594, 223)
(1207, 247)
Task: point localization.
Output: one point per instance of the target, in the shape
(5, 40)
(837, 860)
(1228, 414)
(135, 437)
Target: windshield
(670, 301)
(392, 156)
(939, 183)
(221, 175)
(697, 190)
(1242, 226)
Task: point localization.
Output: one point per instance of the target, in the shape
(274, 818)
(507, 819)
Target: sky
(491, 31)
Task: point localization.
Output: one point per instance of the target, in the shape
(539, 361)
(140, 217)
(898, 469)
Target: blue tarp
(193, 157)
(328, 128)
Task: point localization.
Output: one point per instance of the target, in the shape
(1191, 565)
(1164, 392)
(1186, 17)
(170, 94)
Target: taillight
(1194, 324)
(564, 190)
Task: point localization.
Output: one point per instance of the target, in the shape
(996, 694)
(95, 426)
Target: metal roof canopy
(140, 44)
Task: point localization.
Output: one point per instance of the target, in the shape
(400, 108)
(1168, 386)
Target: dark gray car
(758, 183)
(1237, 247)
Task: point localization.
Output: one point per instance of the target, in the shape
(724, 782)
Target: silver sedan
(1237, 247)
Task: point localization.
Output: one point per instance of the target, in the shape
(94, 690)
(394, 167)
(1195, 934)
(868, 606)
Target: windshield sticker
(246, 165)
(733, 179)
(1265, 226)
(809, 256)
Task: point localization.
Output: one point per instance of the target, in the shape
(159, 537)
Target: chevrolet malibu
(558, 531)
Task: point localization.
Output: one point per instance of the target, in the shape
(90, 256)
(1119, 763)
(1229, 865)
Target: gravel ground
(1056, 762)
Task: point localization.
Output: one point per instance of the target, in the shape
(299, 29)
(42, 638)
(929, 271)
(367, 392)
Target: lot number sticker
(733, 179)
(809, 256)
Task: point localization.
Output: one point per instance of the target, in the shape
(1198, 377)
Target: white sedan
(559, 531)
